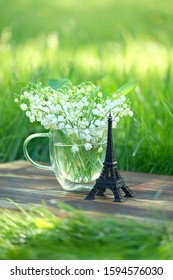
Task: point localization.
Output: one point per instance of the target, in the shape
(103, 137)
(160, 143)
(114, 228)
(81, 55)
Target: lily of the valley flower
(88, 146)
(75, 148)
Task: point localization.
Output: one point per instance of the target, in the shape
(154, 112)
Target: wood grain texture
(27, 186)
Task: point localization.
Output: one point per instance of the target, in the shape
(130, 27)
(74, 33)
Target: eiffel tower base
(99, 190)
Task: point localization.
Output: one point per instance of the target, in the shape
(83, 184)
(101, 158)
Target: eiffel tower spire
(110, 176)
(110, 156)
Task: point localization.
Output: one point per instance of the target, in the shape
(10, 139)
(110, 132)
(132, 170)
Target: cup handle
(27, 140)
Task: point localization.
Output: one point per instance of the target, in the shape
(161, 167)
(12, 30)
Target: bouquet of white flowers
(73, 106)
(76, 116)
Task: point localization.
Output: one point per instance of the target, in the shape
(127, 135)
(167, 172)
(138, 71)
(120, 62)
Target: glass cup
(76, 156)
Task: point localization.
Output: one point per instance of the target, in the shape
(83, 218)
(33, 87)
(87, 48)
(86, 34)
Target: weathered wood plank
(28, 186)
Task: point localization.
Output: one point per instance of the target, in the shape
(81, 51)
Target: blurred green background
(108, 42)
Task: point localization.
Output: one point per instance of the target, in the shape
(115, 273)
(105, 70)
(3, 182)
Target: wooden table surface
(25, 185)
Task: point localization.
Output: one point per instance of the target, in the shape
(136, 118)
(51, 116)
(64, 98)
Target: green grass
(107, 42)
(42, 235)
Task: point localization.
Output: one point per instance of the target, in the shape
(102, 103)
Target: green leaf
(58, 83)
(126, 89)
(21, 83)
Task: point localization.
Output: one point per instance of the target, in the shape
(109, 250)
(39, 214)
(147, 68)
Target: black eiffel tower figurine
(110, 177)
